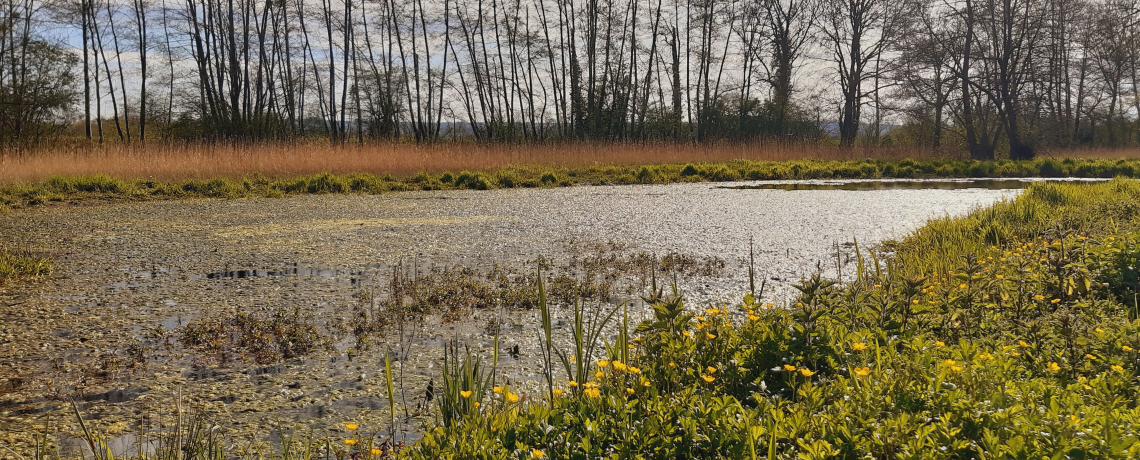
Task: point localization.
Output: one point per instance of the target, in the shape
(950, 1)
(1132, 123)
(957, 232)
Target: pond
(134, 275)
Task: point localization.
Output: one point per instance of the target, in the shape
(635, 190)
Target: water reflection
(901, 184)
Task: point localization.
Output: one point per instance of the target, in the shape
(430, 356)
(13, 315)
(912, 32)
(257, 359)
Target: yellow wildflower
(806, 372)
(999, 276)
(708, 378)
(351, 426)
(620, 366)
(1126, 348)
(1055, 300)
(557, 392)
(350, 442)
(1022, 344)
(634, 370)
(376, 451)
(1090, 357)
(1117, 368)
(537, 453)
(1054, 367)
(985, 356)
(593, 392)
(753, 317)
(939, 343)
(711, 370)
(599, 374)
(498, 390)
(956, 368)
(1099, 330)
(629, 390)
(603, 363)
(710, 335)
(862, 371)
(511, 397)
(963, 286)
(789, 368)
(859, 346)
(476, 404)
(1039, 297)
(572, 383)
(465, 394)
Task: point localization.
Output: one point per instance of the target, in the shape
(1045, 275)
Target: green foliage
(21, 265)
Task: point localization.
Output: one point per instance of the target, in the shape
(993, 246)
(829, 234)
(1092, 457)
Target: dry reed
(182, 162)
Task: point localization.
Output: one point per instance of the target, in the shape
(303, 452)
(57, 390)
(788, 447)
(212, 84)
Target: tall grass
(176, 162)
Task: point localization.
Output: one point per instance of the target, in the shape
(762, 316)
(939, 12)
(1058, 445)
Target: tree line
(993, 77)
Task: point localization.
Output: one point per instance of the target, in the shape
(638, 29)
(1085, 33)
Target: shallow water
(124, 269)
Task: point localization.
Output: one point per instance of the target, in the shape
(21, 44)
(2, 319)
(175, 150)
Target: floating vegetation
(260, 337)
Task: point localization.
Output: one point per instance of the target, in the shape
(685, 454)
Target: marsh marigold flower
(708, 378)
(593, 392)
(711, 370)
(350, 442)
(376, 451)
(603, 363)
(1022, 344)
(1090, 357)
(789, 368)
(511, 397)
(634, 370)
(710, 335)
(557, 392)
(618, 365)
(1039, 297)
(1126, 348)
(465, 394)
(862, 371)
(1054, 367)
(351, 426)
(939, 343)
(537, 453)
(629, 390)
(1117, 368)
(572, 383)
(859, 346)
(599, 374)
(806, 372)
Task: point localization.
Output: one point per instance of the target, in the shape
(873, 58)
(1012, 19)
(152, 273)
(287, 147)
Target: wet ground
(130, 274)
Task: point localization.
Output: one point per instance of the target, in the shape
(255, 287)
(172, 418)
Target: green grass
(19, 265)
(102, 188)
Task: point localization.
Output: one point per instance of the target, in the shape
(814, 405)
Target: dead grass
(183, 162)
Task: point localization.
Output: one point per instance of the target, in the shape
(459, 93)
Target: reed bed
(171, 162)
(178, 162)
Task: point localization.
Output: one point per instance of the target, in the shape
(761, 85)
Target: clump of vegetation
(15, 265)
(102, 187)
(263, 338)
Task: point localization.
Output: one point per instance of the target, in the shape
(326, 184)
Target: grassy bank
(1027, 347)
(102, 187)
